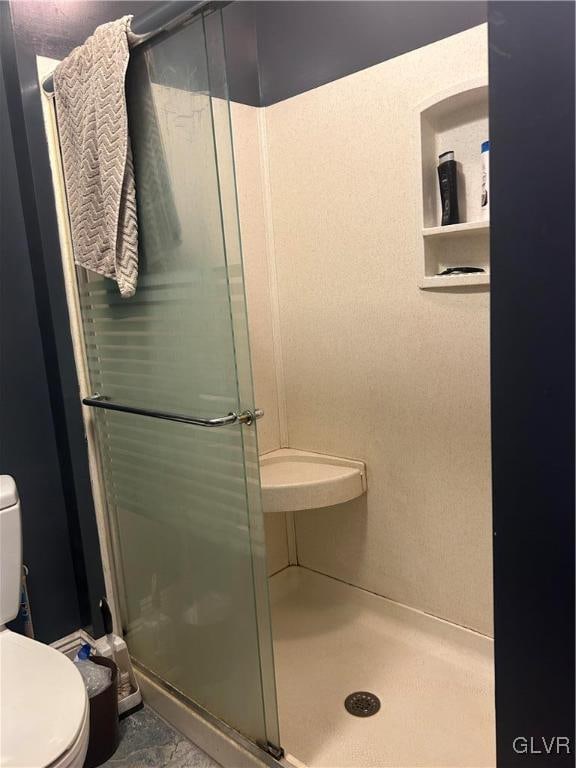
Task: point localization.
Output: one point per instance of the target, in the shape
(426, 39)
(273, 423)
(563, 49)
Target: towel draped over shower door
(89, 88)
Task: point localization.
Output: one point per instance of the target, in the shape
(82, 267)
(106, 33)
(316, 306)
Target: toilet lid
(42, 702)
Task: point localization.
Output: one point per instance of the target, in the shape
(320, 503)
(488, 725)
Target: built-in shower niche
(456, 120)
(293, 480)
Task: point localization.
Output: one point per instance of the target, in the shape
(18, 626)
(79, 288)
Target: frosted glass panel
(184, 500)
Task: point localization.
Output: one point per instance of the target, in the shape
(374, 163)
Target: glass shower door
(184, 500)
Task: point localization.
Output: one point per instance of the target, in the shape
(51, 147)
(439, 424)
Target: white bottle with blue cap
(485, 199)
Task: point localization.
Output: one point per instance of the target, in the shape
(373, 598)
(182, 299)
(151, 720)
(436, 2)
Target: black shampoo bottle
(448, 178)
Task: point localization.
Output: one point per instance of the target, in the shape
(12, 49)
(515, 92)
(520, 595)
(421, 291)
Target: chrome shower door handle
(249, 417)
(243, 417)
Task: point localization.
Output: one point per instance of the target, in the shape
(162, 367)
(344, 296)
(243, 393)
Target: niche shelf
(456, 119)
(468, 227)
(293, 480)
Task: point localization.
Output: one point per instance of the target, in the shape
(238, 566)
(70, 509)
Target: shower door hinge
(276, 752)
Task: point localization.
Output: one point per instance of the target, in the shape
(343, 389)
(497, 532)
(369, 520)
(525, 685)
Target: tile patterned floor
(146, 741)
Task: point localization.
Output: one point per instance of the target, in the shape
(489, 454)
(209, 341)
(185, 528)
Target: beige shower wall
(254, 228)
(373, 367)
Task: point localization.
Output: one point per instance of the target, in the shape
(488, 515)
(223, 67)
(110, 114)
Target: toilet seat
(44, 711)
(74, 757)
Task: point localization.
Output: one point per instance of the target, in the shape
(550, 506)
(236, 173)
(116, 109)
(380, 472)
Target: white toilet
(44, 711)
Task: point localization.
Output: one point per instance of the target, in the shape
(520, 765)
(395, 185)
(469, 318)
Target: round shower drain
(362, 704)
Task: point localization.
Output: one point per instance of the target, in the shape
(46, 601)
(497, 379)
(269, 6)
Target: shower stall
(329, 561)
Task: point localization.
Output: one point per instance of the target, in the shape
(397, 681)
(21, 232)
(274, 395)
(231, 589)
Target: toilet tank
(10, 550)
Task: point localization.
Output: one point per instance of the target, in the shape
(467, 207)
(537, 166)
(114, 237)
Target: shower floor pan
(293, 480)
(434, 679)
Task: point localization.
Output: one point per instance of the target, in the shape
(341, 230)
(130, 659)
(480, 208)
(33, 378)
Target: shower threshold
(434, 679)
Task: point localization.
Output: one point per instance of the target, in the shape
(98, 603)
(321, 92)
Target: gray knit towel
(96, 153)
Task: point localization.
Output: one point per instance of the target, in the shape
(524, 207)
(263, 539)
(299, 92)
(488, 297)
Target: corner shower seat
(293, 480)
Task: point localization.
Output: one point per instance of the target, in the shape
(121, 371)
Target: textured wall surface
(374, 368)
(252, 212)
(249, 156)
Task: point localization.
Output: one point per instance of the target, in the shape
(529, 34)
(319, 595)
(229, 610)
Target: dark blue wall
(302, 45)
(276, 50)
(28, 442)
(532, 361)
(48, 457)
